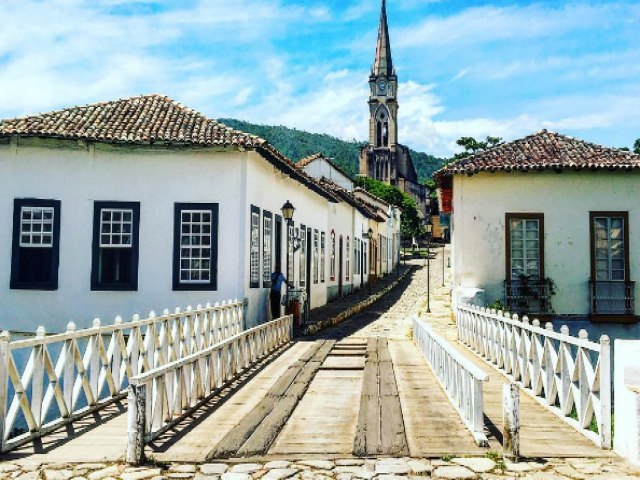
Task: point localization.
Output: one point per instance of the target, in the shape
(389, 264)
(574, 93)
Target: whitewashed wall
(268, 189)
(626, 382)
(478, 234)
(322, 168)
(341, 220)
(157, 180)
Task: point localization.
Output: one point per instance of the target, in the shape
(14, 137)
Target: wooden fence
(48, 381)
(569, 376)
(162, 397)
(460, 378)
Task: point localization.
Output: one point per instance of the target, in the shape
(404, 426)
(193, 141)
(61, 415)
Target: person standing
(277, 277)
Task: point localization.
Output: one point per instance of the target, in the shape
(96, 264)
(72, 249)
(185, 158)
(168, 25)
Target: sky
(466, 68)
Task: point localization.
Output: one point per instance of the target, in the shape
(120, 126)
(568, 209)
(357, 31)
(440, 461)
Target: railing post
(605, 392)
(5, 338)
(68, 377)
(511, 421)
(136, 423)
(37, 378)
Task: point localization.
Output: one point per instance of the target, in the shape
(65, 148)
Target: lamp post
(367, 236)
(444, 243)
(287, 213)
(429, 233)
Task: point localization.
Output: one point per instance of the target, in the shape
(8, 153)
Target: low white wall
(478, 234)
(626, 440)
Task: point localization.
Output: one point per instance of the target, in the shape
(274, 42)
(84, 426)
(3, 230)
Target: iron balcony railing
(610, 297)
(528, 295)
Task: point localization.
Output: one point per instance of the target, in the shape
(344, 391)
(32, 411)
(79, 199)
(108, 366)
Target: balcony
(527, 295)
(612, 300)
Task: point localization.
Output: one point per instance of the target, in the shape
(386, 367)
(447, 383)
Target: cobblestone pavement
(486, 468)
(393, 310)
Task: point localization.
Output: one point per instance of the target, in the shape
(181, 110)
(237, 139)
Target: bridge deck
(317, 412)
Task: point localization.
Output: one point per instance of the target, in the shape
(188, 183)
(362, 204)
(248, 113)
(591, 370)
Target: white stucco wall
(269, 189)
(322, 168)
(155, 179)
(478, 233)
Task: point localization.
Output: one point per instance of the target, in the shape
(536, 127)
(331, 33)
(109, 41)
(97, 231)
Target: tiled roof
(145, 119)
(344, 195)
(544, 151)
(302, 163)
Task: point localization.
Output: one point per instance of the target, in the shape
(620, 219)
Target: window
(609, 247)
(322, 256)
(195, 256)
(525, 233)
(356, 257)
(332, 259)
(254, 248)
(612, 291)
(303, 256)
(115, 249)
(348, 259)
(267, 263)
(36, 244)
(315, 255)
(290, 266)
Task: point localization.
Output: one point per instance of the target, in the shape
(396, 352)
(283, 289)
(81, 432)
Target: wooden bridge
(362, 388)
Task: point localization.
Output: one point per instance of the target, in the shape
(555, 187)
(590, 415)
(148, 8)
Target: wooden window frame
(507, 227)
(52, 283)
(267, 267)
(332, 256)
(323, 265)
(96, 284)
(255, 283)
(213, 208)
(592, 242)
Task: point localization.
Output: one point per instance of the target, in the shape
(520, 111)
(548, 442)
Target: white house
(141, 203)
(319, 166)
(547, 224)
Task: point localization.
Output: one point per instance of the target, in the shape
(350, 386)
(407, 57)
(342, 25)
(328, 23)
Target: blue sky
(465, 68)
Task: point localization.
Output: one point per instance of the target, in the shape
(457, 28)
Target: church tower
(383, 83)
(384, 158)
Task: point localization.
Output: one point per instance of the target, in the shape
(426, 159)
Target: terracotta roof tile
(145, 119)
(544, 151)
(302, 163)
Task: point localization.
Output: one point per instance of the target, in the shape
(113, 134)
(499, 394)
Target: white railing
(162, 397)
(460, 378)
(569, 376)
(50, 380)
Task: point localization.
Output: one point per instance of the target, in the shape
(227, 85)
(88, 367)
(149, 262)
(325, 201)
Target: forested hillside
(297, 144)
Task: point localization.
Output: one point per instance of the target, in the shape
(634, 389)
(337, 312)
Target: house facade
(547, 225)
(142, 204)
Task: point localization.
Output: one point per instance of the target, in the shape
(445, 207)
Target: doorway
(278, 241)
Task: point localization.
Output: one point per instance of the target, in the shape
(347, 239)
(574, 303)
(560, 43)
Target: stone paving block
(279, 474)
(235, 476)
(392, 465)
(277, 464)
(141, 474)
(104, 473)
(50, 474)
(246, 468)
(319, 464)
(419, 466)
(182, 468)
(478, 465)
(213, 468)
(456, 472)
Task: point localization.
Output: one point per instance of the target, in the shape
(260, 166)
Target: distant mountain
(297, 144)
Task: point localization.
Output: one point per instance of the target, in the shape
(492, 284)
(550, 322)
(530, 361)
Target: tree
(636, 146)
(411, 225)
(472, 146)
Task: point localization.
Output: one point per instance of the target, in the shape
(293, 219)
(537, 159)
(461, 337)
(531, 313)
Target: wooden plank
(233, 441)
(258, 437)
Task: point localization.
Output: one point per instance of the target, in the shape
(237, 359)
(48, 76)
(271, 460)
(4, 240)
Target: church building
(384, 158)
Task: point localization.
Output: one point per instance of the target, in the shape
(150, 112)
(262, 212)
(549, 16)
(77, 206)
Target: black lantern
(287, 211)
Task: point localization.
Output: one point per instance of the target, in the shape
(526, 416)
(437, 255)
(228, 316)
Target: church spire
(383, 65)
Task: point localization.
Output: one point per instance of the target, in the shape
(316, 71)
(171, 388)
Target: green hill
(297, 144)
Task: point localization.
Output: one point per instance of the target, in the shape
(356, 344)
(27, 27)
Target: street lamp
(429, 233)
(287, 213)
(368, 235)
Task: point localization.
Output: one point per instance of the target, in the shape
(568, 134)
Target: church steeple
(383, 64)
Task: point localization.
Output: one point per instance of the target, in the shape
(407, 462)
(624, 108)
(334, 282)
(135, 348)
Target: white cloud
(489, 23)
